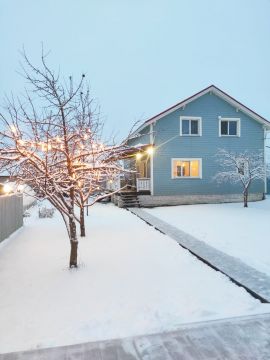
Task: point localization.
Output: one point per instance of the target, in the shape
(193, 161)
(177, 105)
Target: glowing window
(186, 168)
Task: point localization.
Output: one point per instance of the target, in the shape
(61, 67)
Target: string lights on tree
(56, 148)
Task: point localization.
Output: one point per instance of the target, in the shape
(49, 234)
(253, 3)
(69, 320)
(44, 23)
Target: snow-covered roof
(215, 90)
(129, 151)
(140, 145)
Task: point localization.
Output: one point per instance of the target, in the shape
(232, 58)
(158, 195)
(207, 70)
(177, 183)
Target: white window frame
(238, 126)
(198, 118)
(187, 177)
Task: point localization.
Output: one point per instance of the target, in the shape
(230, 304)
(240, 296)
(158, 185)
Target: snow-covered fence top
(11, 215)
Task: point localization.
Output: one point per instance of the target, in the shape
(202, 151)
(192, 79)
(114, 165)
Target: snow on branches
(241, 168)
(51, 140)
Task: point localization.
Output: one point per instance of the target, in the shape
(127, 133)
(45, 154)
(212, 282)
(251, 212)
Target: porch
(136, 177)
(140, 185)
(143, 185)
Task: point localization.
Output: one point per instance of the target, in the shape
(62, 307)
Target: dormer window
(190, 126)
(229, 126)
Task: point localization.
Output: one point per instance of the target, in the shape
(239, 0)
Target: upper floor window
(229, 126)
(190, 126)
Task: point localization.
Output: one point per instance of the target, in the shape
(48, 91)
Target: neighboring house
(185, 139)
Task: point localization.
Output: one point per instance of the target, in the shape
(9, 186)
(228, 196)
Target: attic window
(190, 126)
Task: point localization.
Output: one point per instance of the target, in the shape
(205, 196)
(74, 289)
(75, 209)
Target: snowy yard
(237, 231)
(132, 280)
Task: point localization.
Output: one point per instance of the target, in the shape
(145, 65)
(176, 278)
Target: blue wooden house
(177, 163)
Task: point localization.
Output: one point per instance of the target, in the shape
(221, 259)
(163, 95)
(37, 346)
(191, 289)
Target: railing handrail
(143, 184)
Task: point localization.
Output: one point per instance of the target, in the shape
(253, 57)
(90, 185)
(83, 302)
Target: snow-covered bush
(45, 212)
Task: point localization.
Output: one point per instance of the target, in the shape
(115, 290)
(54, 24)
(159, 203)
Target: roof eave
(216, 91)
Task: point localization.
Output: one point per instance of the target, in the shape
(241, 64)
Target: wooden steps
(129, 199)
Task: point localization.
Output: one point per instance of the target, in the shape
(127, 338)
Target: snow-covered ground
(231, 228)
(132, 280)
(28, 198)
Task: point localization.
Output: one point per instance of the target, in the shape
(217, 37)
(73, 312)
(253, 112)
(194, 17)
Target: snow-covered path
(132, 280)
(231, 228)
(254, 281)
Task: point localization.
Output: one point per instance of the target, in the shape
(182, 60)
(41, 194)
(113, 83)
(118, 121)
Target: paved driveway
(246, 338)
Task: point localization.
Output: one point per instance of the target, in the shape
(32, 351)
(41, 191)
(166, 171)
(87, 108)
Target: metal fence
(11, 215)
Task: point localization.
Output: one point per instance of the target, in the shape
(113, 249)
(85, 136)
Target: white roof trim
(215, 91)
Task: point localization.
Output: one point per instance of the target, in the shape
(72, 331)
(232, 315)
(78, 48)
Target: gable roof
(215, 90)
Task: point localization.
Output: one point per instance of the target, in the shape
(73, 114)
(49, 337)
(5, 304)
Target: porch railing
(143, 184)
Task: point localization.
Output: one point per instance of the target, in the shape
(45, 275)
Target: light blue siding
(144, 137)
(169, 144)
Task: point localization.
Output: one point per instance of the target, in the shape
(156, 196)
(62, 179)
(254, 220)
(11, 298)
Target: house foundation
(153, 201)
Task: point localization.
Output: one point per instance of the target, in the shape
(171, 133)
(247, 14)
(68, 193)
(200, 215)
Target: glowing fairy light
(13, 129)
(150, 150)
(7, 188)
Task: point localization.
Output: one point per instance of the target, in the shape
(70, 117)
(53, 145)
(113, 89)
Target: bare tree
(50, 139)
(241, 168)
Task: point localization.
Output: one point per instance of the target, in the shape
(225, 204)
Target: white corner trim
(264, 159)
(216, 92)
(152, 160)
(187, 177)
(199, 118)
(238, 127)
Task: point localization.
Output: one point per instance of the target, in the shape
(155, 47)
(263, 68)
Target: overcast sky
(142, 56)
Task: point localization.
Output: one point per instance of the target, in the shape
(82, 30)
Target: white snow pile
(237, 231)
(28, 198)
(132, 280)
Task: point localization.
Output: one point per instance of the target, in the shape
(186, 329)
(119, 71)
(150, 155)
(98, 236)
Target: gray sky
(142, 56)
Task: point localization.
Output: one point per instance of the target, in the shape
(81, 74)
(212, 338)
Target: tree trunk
(73, 244)
(246, 198)
(82, 224)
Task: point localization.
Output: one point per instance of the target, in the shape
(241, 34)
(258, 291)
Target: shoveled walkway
(245, 338)
(254, 281)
